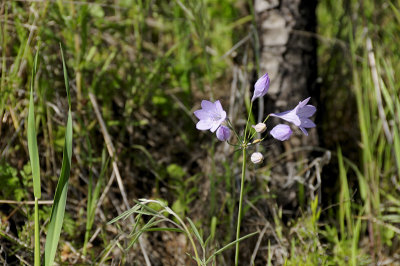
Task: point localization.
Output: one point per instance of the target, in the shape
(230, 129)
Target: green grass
(60, 197)
(368, 74)
(34, 160)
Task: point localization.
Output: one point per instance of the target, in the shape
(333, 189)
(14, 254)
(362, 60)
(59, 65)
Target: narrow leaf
(32, 141)
(164, 229)
(60, 197)
(65, 77)
(230, 245)
(195, 231)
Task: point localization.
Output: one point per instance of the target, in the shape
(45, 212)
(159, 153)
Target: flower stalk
(240, 206)
(37, 239)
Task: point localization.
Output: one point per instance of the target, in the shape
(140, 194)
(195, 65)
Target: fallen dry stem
(111, 152)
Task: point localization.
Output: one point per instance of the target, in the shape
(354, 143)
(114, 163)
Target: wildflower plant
(213, 117)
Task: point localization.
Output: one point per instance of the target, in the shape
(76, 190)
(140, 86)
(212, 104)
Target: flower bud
(260, 127)
(256, 141)
(223, 133)
(281, 132)
(261, 87)
(257, 158)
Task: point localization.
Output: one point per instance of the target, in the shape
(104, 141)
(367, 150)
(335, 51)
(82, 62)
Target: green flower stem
(265, 120)
(240, 206)
(247, 123)
(254, 133)
(233, 129)
(37, 239)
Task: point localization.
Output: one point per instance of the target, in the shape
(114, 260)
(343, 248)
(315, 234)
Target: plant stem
(233, 129)
(247, 123)
(37, 239)
(240, 206)
(188, 234)
(195, 249)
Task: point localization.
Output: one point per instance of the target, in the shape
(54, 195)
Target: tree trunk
(288, 53)
(286, 31)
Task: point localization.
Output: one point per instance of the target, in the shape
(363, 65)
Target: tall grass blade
(355, 239)
(60, 198)
(34, 159)
(32, 141)
(344, 201)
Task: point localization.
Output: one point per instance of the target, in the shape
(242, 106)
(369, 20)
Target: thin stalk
(240, 207)
(233, 129)
(37, 239)
(88, 215)
(189, 235)
(195, 249)
(254, 133)
(247, 123)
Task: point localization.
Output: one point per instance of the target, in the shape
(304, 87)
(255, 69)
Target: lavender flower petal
(306, 111)
(303, 103)
(304, 131)
(281, 132)
(211, 115)
(300, 115)
(289, 116)
(307, 123)
(223, 133)
(218, 107)
(201, 114)
(203, 125)
(208, 106)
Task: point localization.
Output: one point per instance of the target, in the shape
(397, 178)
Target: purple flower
(223, 133)
(281, 132)
(261, 87)
(211, 116)
(299, 115)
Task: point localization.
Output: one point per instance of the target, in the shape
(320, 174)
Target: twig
(22, 260)
(95, 234)
(182, 106)
(111, 152)
(110, 148)
(29, 202)
(13, 137)
(110, 249)
(266, 222)
(105, 191)
(377, 221)
(253, 256)
(375, 80)
(77, 254)
(237, 45)
(14, 239)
